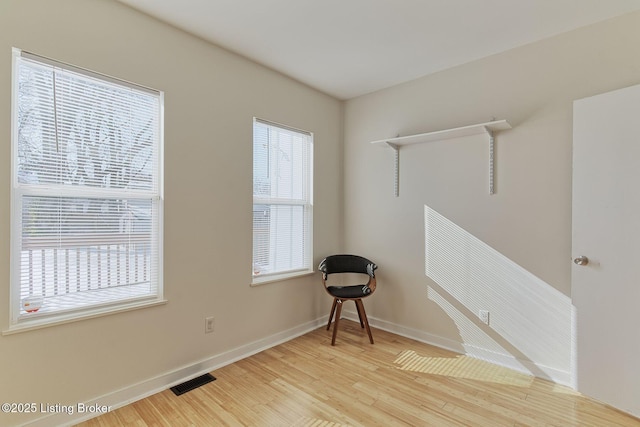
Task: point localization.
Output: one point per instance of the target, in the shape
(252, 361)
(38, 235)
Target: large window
(86, 193)
(282, 201)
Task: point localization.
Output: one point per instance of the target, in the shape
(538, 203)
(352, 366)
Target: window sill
(278, 277)
(74, 317)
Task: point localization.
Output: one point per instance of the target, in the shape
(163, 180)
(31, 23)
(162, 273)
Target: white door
(606, 230)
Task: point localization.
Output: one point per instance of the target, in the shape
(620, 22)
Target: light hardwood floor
(394, 382)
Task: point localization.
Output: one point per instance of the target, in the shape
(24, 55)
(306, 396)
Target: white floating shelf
(447, 133)
(487, 128)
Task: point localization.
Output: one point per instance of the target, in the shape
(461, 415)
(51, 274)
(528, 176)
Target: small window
(86, 194)
(282, 201)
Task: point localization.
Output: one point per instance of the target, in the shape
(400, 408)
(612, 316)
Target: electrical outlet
(484, 316)
(209, 323)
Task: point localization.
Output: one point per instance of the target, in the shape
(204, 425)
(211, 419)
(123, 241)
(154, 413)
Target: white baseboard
(506, 360)
(162, 382)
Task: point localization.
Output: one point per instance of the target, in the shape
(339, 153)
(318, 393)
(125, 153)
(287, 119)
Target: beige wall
(520, 268)
(211, 96)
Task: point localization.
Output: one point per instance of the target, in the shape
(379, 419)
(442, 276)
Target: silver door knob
(581, 260)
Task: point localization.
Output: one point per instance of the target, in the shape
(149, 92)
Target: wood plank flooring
(395, 382)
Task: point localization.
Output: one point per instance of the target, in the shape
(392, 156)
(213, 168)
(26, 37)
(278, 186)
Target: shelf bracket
(396, 172)
(491, 162)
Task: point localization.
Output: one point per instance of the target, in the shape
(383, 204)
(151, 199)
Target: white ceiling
(347, 48)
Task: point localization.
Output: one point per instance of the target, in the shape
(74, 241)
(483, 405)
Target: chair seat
(355, 291)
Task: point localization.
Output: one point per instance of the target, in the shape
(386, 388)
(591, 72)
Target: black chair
(345, 264)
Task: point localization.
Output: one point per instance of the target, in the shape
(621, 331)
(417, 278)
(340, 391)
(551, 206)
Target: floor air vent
(192, 384)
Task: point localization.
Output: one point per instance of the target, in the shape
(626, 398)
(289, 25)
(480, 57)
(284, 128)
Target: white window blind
(87, 192)
(282, 201)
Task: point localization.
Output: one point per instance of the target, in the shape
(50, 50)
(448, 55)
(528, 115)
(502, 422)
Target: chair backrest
(347, 264)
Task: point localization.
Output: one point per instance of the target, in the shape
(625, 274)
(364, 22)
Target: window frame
(107, 303)
(307, 205)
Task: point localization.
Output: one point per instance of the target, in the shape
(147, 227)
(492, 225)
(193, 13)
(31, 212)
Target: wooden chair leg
(359, 312)
(364, 318)
(335, 323)
(333, 310)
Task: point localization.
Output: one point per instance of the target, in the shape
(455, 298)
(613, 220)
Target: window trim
(279, 277)
(63, 319)
(38, 321)
(257, 280)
